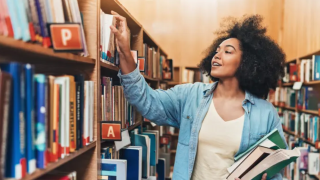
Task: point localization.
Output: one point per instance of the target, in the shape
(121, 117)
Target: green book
(273, 136)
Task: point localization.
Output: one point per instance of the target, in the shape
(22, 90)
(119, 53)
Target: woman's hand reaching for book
(121, 34)
(264, 177)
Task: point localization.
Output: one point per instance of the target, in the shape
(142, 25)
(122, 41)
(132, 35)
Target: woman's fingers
(115, 31)
(264, 177)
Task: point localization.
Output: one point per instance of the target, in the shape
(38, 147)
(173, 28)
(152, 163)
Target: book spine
(78, 109)
(29, 20)
(5, 92)
(29, 117)
(55, 133)
(23, 21)
(43, 23)
(72, 117)
(14, 19)
(40, 107)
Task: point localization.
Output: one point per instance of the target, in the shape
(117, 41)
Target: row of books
(309, 98)
(302, 124)
(114, 105)
(282, 97)
(28, 19)
(191, 76)
(140, 158)
(61, 175)
(308, 70)
(306, 167)
(44, 118)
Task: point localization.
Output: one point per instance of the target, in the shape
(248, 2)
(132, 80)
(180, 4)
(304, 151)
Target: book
(313, 163)
(40, 116)
(133, 155)
(272, 164)
(30, 118)
(50, 118)
(42, 19)
(80, 106)
(5, 92)
(144, 142)
(7, 28)
(273, 136)
(161, 169)
(14, 17)
(15, 157)
(113, 169)
(316, 67)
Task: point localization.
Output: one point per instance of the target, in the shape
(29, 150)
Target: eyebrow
(228, 46)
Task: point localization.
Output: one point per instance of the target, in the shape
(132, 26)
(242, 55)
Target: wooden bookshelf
(173, 151)
(51, 166)
(316, 113)
(297, 136)
(130, 128)
(26, 52)
(287, 108)
(287, 84)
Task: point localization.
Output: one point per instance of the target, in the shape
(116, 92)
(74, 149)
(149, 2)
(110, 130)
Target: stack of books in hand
(268, 155)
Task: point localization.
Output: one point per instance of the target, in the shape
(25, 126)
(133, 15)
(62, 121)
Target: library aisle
(64, 113)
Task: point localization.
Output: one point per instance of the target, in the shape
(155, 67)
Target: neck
(229, 88)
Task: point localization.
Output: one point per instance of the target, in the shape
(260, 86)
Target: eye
(228, 52)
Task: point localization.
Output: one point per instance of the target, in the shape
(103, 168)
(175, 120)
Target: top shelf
(31, 52)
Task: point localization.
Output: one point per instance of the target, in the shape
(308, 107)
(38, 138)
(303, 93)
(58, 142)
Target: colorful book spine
(29, 117)
(46, 42)
(40, 108)
(29, 20)
(15, 162)
(73, 116)
(7, 18)
(23, 21)
(14, 19)
(56, 106)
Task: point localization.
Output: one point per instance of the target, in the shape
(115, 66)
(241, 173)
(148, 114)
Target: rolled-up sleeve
(159, 106)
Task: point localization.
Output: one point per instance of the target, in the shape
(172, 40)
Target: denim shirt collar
(210, 88)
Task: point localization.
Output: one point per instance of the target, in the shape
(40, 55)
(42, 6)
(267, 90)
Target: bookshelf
(84, 161)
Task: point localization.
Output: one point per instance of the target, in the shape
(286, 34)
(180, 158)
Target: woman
(217, 121)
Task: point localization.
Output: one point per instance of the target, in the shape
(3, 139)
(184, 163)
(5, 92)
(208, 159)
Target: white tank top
(219, 141)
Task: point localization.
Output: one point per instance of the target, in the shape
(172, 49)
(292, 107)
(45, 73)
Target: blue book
(113, 169)
(144, 142)
(316, 67)
(23, 21)
(42, 23)
(29, 117)
(15, 157)
(153, 148)
(161, 169)
(133, 155)
(40, 109)
(17, 31)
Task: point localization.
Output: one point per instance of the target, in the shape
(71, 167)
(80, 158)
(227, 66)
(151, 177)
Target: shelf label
(297, 85)
(164, 140)
(111, 130)
(66, 37)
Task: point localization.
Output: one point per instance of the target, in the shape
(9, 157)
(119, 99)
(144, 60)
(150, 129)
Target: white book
(313, 163)
(48, 11)
(91, 120)
(58, 11)
(157, 134)
(86, 113)
(67, 122)
(101, 34)
(185, 75)
(62, 124)
(108, 42)
(125, 141)
(77, 18)
(121, 167)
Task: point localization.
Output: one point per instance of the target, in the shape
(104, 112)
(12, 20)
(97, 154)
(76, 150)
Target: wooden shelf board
(288, 108)
(311, 83)
(173, 151)
(310, 112)
(309, 56)
(287, 84)
(175, 134)
(115, 5)
(173, 83)
(108, 66)
(30, 51)
(291, 60)
(150, 78)
(162, 52)
(297, 136)
(51, 166)
(192, 68)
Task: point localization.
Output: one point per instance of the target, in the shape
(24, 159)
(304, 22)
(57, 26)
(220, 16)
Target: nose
(217, 56)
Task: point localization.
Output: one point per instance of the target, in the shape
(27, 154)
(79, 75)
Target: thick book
(133, 155)
(23, 21)
(15, 157)
(316, 67)
(29, 117)
(14, 17)
(144, 142)
(161, 169)
(273, 164)
(5, 92)
(40, 112)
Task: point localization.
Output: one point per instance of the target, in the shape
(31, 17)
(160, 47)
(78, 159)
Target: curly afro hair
(262, 62)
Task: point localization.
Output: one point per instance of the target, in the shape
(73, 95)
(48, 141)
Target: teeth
(216, 64)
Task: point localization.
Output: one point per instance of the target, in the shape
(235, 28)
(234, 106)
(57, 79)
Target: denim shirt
(185, 106)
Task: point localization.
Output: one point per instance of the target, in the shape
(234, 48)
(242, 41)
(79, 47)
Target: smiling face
(227, 59)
